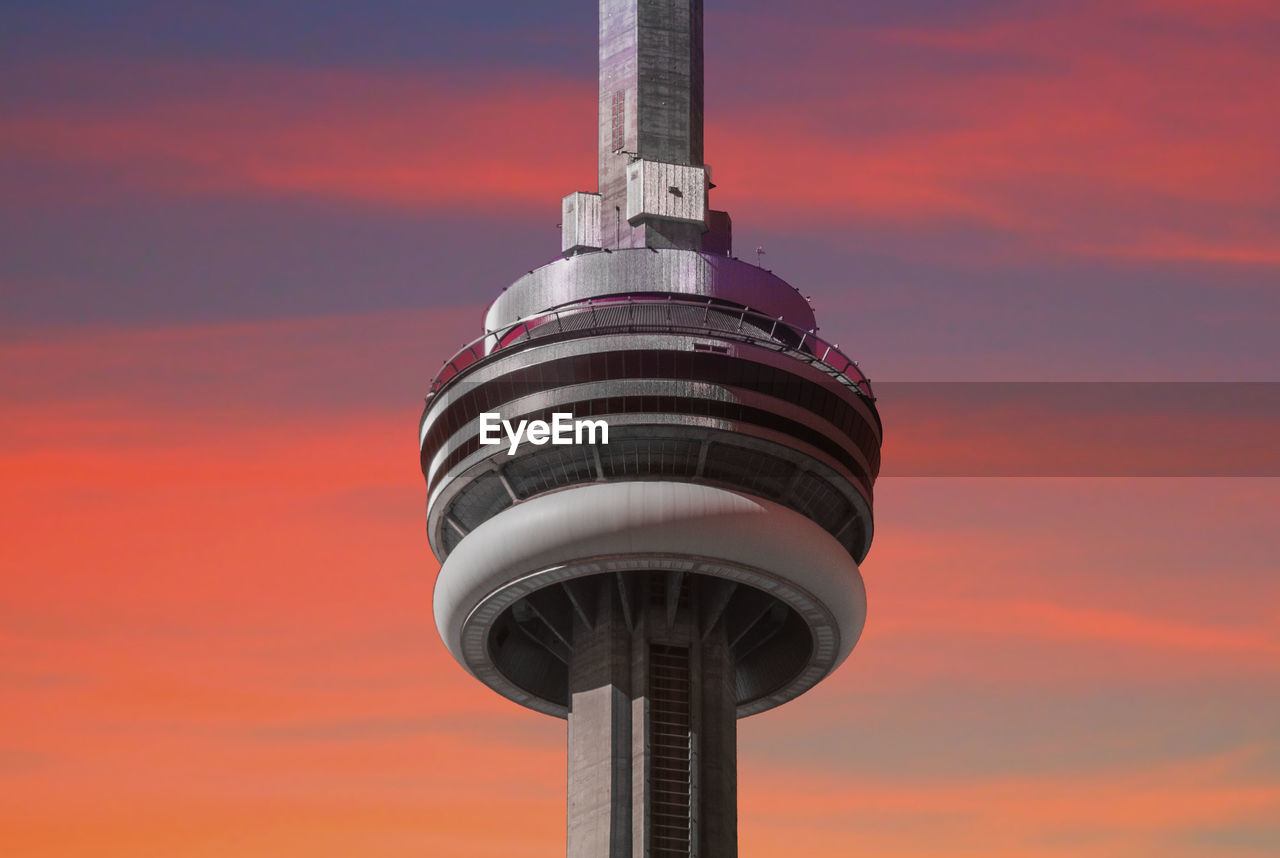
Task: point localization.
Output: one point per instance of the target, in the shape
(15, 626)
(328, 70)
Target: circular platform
(638, 528)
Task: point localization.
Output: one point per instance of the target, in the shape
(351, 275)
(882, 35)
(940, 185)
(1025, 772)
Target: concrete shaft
(652, 732)
(651, 108)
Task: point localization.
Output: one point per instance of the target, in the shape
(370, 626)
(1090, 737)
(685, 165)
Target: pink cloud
(1112, 129)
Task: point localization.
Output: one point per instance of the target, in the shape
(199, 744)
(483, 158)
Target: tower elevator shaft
(652, 729)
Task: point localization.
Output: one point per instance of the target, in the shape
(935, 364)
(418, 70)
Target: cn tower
(693, 558)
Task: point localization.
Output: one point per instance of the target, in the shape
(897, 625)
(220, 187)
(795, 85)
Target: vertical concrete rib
(669, 80)
(599, 806)
(716, 747)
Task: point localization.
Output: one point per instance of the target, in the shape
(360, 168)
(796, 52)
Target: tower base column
(652, 724)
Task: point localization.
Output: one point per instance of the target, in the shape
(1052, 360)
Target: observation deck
(697, 388)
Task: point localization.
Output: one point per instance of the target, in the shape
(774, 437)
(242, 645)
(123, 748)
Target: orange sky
(218, 640)
(231, 259)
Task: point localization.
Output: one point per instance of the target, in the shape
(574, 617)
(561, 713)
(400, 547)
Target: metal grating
(449, 538)
(650, 457)
(548, 469)
(632, 454)
(652, 314)
(739, 466)
(819, 500)
(480, 501)
(670, 758)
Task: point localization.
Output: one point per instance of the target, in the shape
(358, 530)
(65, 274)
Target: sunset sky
(238, 239)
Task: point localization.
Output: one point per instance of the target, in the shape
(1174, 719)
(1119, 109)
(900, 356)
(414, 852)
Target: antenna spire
(650, 135)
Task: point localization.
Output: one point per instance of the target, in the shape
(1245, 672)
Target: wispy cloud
(1140, 811)
(1130, 130)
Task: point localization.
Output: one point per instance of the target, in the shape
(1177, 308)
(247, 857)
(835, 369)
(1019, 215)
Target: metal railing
(650, 314)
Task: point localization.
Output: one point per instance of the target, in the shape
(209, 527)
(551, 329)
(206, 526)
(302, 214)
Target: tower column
(651, 109)
(600, 732)
(652, 725)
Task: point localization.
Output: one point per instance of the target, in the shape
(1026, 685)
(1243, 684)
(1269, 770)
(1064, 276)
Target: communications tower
(702, 565)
